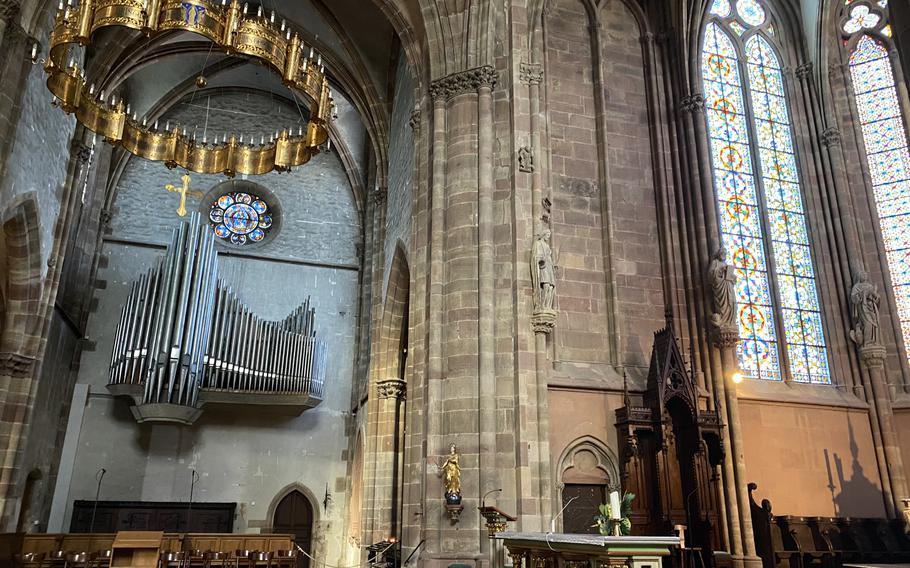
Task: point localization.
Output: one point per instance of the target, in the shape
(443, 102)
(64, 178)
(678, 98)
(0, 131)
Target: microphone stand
(100, 476)
(189, 509)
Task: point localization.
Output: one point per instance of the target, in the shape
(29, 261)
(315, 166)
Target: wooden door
(294, 515)
(583, 502)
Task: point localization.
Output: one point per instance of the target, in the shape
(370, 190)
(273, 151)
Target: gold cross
(183, 191)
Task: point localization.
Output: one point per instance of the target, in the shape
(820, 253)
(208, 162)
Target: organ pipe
(182, 331)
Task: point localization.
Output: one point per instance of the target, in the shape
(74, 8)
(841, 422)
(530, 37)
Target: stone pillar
(390, 397)
(489, 479)
(532, 75)
(725, 341)
(873, 359)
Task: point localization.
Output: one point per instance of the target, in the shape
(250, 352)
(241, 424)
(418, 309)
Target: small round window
(241, 214)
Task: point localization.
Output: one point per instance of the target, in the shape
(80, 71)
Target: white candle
(615, 506)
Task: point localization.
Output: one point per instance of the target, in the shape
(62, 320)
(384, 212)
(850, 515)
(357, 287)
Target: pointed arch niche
(586, 472)
(881, 112)
(757, 185)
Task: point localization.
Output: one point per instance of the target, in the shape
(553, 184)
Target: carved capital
(16, 365)
(694, 103)
(543, 321)
(831, 137)
(104, 220)
(873, 356)
(804, 70)
(462, 82)
(530, 73)
(392, 388)
(379, 197)
(414, 121)
(725, 336)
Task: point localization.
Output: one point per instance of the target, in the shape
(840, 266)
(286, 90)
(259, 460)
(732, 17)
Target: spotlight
(737, 377)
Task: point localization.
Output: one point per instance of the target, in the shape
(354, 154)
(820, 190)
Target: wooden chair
(102, 559)
(78, 560)
(260, 559)
(218, 559)
(286, 559)
(172, 560)
(242, 558)
(28, 560)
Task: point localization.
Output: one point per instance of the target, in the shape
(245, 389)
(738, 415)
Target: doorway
(582, 502)
(294, 515)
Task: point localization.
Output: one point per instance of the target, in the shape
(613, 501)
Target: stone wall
(604, 213)
(399, 206)
(40, 145)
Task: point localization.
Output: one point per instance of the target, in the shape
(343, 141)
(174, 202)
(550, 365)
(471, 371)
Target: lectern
(136, 549)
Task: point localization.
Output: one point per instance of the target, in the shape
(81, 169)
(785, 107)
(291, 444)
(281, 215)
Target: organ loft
(454, 284)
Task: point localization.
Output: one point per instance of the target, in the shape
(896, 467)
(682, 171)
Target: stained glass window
(762, 218)
(240, 218)
(888, 159)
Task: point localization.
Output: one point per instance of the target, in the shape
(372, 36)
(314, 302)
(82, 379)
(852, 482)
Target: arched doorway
(586, 472)
(294, 515)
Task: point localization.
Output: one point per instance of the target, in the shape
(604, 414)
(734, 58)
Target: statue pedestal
(541, 550)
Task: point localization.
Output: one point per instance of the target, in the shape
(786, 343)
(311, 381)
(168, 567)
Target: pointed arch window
(757, 186)
(884, 135)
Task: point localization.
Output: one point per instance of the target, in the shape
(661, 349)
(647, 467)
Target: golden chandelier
(230, 28)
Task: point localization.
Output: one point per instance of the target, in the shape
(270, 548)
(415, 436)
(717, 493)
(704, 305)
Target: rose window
(240, 218)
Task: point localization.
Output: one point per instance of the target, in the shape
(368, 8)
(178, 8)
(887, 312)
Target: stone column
(542, 321)
(873, 359)
(391, 394)
(486, 343)
(725, 341)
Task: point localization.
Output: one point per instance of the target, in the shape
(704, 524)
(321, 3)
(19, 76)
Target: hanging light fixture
(230, 28)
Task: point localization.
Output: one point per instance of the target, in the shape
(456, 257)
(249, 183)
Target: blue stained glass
(780, 202)
(741, 231)
(721, 8)
(240, 218)
(888, 160)
(794, 271)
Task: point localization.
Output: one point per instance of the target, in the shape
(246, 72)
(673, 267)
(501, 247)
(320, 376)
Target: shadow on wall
(856, 493)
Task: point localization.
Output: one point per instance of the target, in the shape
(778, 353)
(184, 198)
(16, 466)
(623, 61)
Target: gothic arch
(394, 318)
(287, 490)
(575, 463)
(22, 277)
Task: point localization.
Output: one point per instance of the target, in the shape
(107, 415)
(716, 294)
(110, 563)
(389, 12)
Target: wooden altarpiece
(670, 450)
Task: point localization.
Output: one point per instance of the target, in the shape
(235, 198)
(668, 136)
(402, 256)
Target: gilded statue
(543, 275)
(865, 300)
(722, 278)
(451, 472)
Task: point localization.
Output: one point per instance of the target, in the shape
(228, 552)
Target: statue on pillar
(865, 300)
(451, 472)
(543, 275)
(722, 278)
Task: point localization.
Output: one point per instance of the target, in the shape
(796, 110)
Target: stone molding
(543, 321)
(16, 365)
(724, 337)
(530, 73)
(694, 103)
(804, 70)
(468, 81)
(392, 388)
(873, 356)
(831, 137)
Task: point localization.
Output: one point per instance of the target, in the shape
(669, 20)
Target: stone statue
(865, 300)
(543, 275)
(525, 159)
(722, 278)
(451, 472)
